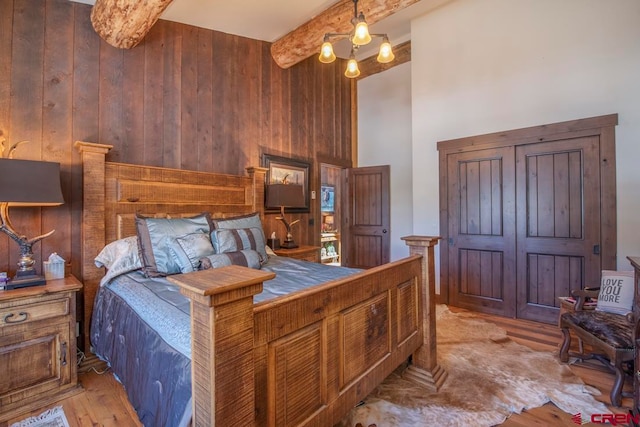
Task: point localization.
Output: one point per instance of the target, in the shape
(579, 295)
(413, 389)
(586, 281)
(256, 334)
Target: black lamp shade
(30, 183)
(287, 195)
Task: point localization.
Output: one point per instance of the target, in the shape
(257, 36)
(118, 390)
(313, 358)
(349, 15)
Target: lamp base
(289, 244)
(25, 281)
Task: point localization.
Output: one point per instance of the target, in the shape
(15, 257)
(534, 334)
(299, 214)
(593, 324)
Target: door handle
(63, 351)
(384, 231)
(596, 249)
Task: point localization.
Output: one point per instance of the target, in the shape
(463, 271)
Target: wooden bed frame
(302, 359)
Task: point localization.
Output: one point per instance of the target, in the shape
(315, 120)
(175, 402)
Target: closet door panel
(558, 198)
(481, 244)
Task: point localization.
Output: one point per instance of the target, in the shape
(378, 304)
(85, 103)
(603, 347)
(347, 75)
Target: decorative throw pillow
(246, 258)
(232, 240)
(251, 220)
(119, 257)
(156, 236)
(616, 292)
(188, 249)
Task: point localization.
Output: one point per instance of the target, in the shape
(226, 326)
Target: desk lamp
(289, 196)
(27, 183)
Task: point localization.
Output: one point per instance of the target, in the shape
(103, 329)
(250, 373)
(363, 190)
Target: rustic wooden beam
(306, 40)
(124, 23)
(370, 65)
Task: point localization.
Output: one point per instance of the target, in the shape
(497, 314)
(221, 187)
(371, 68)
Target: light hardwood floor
(104, 402)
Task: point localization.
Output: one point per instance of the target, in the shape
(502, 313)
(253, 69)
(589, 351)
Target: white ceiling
(269, 20)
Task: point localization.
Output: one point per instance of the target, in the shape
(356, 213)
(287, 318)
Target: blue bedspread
(141, 328)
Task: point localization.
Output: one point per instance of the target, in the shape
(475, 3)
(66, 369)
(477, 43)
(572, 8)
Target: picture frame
(327, 198)
(294, 171)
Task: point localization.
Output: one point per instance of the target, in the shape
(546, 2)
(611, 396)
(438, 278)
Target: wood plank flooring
(104, 402)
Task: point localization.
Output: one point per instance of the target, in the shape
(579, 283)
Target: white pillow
(269, 251)
(616, 292)
(119, 257)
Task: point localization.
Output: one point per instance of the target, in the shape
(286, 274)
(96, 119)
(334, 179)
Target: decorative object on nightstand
(26, 183)
(38, 346)
(285, 196)
(53, 267)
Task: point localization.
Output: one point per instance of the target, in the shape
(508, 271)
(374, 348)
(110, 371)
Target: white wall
(384, 138)
(493, 65)
(486, 66)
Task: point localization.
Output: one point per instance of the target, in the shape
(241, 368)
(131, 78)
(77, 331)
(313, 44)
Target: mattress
(141, 328)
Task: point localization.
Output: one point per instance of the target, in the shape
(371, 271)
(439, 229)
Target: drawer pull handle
(22, 317)
(63, 350)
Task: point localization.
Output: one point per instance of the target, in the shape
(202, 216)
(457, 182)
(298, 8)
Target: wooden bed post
(222, 365)
(425, 369)
(257, 175)
(93, 228)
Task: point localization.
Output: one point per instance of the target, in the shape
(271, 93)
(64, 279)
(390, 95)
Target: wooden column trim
(124, 23)
(425, 369)
(354, 123)
(258, 175)
(222, 332)
(92, 230)
(306, 40)
(371, 66)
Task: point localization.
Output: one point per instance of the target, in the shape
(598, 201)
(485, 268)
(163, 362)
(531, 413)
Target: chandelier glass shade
(359, 36)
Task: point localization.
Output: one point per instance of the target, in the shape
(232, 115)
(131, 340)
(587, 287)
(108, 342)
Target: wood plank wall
(185, 98)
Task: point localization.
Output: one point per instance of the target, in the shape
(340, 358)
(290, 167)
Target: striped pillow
(233, 240)
(246, 258)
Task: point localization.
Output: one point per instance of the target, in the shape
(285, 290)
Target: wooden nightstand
(305, 253)
(37, 346)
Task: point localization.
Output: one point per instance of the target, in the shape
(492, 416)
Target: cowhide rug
(489, 378)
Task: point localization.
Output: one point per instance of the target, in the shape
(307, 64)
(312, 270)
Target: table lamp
(285, 196)
(27, 183)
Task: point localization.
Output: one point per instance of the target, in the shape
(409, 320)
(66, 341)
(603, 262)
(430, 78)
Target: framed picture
(284, 170)
(327, 197)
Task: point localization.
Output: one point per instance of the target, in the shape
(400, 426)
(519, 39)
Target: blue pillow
(188, 249)
(233, 240)
(246, 258)
(156, 236)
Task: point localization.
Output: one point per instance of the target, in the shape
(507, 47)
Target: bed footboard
(309, 357)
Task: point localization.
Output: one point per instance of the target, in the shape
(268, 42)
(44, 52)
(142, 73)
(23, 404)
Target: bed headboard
(114, 192)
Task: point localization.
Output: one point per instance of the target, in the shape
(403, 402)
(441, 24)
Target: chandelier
(359, 36)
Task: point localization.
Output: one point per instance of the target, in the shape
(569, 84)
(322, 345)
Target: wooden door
(527, 215)
(558, 198)
(481, 243)
(367, 217)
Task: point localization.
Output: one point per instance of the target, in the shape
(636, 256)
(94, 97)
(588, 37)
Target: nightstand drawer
(25, 313)
(304, 253)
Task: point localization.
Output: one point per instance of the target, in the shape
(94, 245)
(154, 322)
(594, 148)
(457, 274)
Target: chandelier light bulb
(352, 68)
(361, 34)
(385, 54)
(327, 55)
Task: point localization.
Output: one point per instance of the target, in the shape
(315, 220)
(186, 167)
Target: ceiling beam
(306, 40)
(370, 65)
(124, 23)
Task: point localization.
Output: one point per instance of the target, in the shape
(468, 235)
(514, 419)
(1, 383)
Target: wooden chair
(608, 335)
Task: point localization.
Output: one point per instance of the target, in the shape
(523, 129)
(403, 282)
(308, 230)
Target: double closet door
(530, 216)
